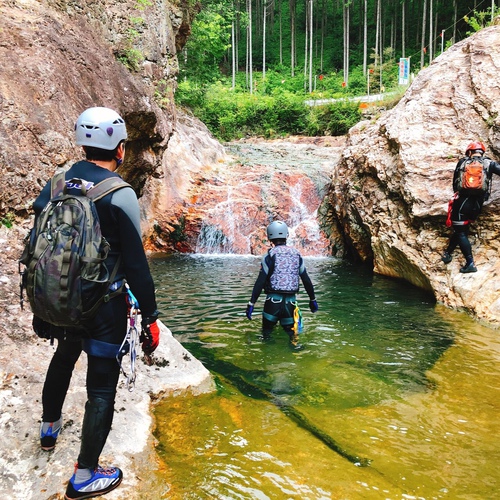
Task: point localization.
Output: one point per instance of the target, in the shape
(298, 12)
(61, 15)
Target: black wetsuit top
(119, 218)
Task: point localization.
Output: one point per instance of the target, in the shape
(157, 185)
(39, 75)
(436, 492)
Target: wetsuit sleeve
(306, 281)
(261, 279)
(134, 261)
(494, 168)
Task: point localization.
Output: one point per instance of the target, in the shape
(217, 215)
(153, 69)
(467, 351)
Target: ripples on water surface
(387, 378)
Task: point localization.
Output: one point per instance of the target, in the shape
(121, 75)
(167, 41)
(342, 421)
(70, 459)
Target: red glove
(150, 336)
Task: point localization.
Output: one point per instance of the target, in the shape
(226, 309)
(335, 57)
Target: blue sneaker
(49, 431)
(102, 481)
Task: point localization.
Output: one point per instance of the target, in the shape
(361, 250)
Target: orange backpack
(473, 177)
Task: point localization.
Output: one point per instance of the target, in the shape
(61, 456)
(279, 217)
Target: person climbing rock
(472, 181)
(102, 134)
(280, 270)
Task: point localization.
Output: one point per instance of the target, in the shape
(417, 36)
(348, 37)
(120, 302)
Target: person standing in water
(281, 269)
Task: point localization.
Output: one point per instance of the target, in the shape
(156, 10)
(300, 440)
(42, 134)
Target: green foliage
(128, 55)
(131, 58)
(480, 20)
(190, 95)
(7, 220)
(233, 114)
(142, 4)
(178, 234)
(275, 104)
(208, 44)
(333, 119)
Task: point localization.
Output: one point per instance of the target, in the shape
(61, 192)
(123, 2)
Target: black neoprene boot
(95, 430)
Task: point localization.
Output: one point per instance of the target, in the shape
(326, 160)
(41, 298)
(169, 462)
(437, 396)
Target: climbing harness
(131, 341)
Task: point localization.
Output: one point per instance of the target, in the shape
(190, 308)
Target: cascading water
(305, 233)
(245, 200)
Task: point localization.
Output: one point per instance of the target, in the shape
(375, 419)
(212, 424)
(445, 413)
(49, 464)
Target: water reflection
(387, 377)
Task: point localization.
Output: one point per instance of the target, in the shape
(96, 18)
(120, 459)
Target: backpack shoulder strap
(57, 184)
(105, 187)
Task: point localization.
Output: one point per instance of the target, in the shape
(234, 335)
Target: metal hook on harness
(131, 340)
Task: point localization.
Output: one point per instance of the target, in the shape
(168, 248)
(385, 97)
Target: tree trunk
(310, 44)
(346, 42)
(264, 41)
(365, 37)
(249, 46)
(422, 51)
(306, 44)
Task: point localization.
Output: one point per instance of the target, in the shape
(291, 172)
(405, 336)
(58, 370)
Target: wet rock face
(391, 188)
(60, 57)
(220, 200)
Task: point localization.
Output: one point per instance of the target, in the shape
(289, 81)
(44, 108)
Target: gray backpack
(65, 277)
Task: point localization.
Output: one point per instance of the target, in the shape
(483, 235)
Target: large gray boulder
(391, 188)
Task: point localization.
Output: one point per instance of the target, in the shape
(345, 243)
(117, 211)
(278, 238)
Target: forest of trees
(320, 48)
(321, 36)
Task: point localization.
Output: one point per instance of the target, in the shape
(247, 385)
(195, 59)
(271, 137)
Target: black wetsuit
(120, 224)
(465, 210)
(280, 304)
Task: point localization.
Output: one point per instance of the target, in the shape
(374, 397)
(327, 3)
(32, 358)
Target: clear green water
(392, 397)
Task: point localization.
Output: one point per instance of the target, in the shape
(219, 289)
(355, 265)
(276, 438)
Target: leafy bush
(190, 95)
(7, 220)
(231, 114)
(333, 119)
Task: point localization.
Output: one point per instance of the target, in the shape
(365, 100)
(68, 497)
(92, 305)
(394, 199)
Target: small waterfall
(212, 240)
(243, 199)
(221, 231)
(305, 233)
(238, 226)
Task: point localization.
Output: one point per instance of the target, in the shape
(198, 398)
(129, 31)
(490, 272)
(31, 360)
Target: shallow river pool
(392, 397)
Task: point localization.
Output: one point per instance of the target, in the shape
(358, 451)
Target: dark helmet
(474, 147)
(277, 230)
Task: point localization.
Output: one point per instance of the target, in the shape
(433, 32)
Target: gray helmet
(277, 230)
(100, 128)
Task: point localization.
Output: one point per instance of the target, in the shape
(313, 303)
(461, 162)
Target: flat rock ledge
(28, 473)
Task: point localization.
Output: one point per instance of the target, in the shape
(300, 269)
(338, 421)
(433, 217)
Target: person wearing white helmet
(282, 267)
(102, 134)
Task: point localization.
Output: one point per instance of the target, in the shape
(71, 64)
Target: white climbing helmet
(277, 230)
(100, 128)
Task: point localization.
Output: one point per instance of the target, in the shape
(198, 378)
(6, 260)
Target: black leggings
(58, 378)
(460, 237)
(465, 210)
(102, 379)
